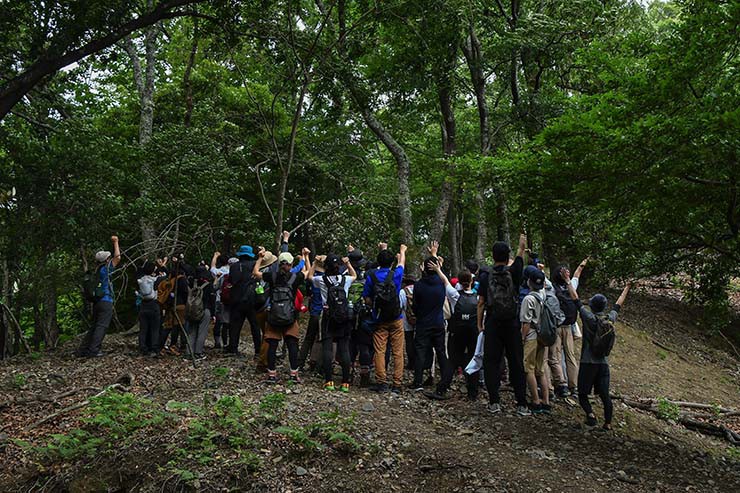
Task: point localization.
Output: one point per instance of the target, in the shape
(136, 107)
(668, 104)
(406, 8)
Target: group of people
(506, 321)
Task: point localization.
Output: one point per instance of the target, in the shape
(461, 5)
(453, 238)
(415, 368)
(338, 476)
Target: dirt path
(408, 442)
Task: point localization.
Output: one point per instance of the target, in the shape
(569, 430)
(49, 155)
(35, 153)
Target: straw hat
(268, 259)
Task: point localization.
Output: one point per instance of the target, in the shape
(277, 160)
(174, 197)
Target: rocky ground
(364, 441)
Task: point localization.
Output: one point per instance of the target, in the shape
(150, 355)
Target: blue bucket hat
(245, 251)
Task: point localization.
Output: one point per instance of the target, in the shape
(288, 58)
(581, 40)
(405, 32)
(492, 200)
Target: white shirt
(318, 281)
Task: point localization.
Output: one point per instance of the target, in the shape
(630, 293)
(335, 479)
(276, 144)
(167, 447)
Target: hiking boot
(562, 392)
(364, 380)
(546, 409)
(99, 354)
(607, 427)
(437, 396)
(329, 386)
(200, 357)
(344, 388)
(395, 389)
(591, 421)
(523, 411)
(537, 409)
(380, 388)
(271, 377)
(294, 377)
(493, 407)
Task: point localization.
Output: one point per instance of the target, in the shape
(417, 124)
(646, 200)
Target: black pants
(292, 343)
(312, 331)
(330, 335)
(239, 313)
(499, 338)
(461, 345)
(93, 340)
(410, 349)
(595, 377)
(433, 337)
(150, 316)
(221, 333)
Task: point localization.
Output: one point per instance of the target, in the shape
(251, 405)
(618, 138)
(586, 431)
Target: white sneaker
(523, 411)
(493, 407)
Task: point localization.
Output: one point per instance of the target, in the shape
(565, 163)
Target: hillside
(194, 437)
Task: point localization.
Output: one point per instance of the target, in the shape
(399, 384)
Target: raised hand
(114, 239)
(402, 248)
(286, 236)
(433, 248)
(345, 260)
(382, 246)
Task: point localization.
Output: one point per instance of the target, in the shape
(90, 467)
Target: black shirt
(516, 269)
(282, 278)
(241, 278)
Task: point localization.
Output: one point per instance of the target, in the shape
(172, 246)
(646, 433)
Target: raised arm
(571, 289)
(258, 264)
(350, 269)
(522, 245)
(623, 296)
(214, 258)
(581, 266)
(306, 261)
(116, 251)
(402, 255)
(481, 310)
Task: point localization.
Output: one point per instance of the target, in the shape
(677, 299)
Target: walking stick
(185, 334)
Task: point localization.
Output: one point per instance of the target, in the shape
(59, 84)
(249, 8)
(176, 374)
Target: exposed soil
(408, 443)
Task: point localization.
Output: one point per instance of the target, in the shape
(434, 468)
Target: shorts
(280, 332)
(534, 357)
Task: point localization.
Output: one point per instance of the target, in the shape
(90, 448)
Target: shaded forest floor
(217, 428)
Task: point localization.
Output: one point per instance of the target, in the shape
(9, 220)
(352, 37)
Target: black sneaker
(546, 409)
(437, 396)
(380, 388)
(562, 392)
(415, 387)
(591, 421)
(536, 409)
(396, 390)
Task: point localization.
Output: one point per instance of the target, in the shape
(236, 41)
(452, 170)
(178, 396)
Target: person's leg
(272, 354)
(471, 381)
(554, 355)
(145, 320)
(530, 365)
(493, 348)
(421, 344)
(380, 340)
(254, 327)
(571, 360)
(308, 340)
(397, 341)
(343, 355)
(202, 333)
(410, 349)
(262, 358)
(586, 378)
(236, 318)
(292, 343)
(515, 358)
(542, 376)
(101, 324)
(446, 370)
(327, 352)
(602, 389)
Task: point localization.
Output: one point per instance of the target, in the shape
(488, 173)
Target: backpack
(502, 297)
(195, 308)
(92, 287)
(602, 340)
(567, 305)
(466, 313)
(336, 301)
(550, 319)
(226, 287)
(165, 289)
(385, 298)
(282, 303)
(146, 289)
(409, 310)
(261, 294)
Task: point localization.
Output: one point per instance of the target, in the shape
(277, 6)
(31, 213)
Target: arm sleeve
(398, 276)
(283, 246)
(516, 269)
(402, 297)
(368, 288)
(574, 282)
(298, 267)
(317, 281)
(526, 315)
(452, 296)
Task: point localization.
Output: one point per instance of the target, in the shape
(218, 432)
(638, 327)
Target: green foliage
(330, 430)
(220, 372)
(120, 415)
(272, 407)
(19, 380)
(76, 444)
(667, 410)
(300, 439)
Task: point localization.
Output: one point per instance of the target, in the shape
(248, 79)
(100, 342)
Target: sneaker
(562, 392)
(537, 409)
(395, 389)
(523, 411)
(294, 377)
(364, 380)
(437, 396)
(415, 387)
(271, 377)
(493, 407)
(344, 388)
(380, 388)
(607, 427)
(546, 409)
(429, 382)
(329, 386)
(200, 357)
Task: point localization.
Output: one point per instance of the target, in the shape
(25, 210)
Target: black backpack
(567, 305)
(282, 303)
(466, 313)
(92, 286)
(502, 296)
(603, 338)
(385, 298)
(336, 301)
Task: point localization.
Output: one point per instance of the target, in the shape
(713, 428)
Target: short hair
(598, 303)
(148, 268)
(465, 277)
(472, 265)
(430, 260)
(557, 276)
(501, 251)
(385, 258)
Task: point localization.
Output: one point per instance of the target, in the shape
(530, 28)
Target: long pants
(595, 376)
(432, 337)
(292, 343)
(410, 349)
(93, 340)
(500, 338)
(150, 315)
(327, 351)
(385, 332)
(312, 331)
(564, 344)
(461, 345)
(198, 331)
(221, 333)
(239, 313)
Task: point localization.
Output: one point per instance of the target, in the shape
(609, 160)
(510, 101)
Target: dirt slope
(407, 442)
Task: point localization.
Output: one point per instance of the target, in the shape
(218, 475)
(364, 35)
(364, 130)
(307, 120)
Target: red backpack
(226, 286)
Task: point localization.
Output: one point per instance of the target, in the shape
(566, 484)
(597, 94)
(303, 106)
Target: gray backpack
(551, 316)
(195, 307)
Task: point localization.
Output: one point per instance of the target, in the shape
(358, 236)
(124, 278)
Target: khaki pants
(534, 357)
(393, 332)
(563, 344)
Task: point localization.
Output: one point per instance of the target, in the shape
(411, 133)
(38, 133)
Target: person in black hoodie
(429, 299)
(241, 305)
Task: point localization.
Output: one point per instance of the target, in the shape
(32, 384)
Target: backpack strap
(373, 275)
(390, 276)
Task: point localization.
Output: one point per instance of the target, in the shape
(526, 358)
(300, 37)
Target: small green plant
(667, 410)
(300, 439)
(19, 380)
(344, 443)
(221, 372)
(662, 354)
(74, 445)
(733, 453)
(36, 355)
(119, 415)
(272, 406)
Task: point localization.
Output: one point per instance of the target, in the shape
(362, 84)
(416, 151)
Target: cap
(537, 279)
(285, 258)
(102, 256)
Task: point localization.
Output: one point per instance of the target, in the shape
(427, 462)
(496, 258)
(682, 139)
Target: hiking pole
(185, 334)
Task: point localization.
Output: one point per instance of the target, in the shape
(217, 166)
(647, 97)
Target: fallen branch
(43, 397)
(74, 407)
(663, 346)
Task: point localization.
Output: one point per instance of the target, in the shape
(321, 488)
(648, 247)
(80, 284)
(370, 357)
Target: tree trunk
(449, 148)
(504, 232)
(49, 315)
(481, 240)
(455, 239)
(187, 84)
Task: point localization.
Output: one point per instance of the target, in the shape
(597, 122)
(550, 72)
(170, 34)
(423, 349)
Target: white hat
(102, 256)
(233, 260)
(285, 257)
